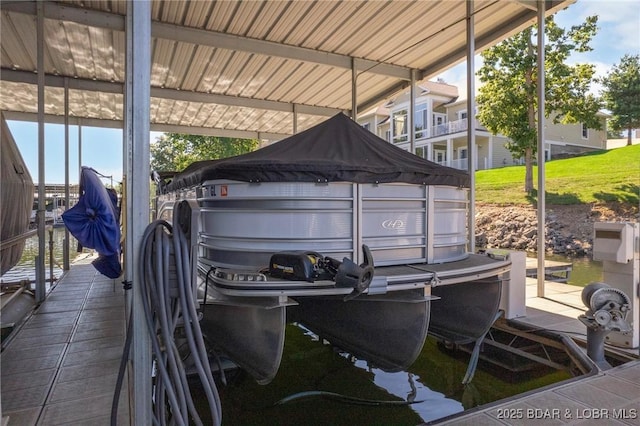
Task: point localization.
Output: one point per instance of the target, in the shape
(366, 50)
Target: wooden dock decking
(62, 365)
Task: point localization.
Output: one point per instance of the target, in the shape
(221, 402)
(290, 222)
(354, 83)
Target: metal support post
(471, 118)
(40, 216)
(136, 158)
(354, 91)
(412, 113)
(65, 244)
(541, 159)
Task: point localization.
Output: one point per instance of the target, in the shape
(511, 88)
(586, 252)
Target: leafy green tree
(175, 151)
(507, 100)
(622, 95)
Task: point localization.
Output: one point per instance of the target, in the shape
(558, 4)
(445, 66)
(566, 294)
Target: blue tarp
(95, 222)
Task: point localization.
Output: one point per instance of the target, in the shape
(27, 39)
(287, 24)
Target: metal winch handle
(358, 277)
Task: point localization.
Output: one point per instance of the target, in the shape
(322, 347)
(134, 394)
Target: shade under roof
(242, 68)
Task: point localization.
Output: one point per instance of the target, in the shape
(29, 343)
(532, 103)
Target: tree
(507, 101)
(622, 94)
(175, 151)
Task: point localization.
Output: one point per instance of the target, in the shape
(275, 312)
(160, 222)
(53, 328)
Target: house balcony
(458, 163)
(453, 127)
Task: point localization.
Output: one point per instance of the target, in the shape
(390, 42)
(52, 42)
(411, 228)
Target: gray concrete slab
(16, 365)
(22, 417)
(605, 398)
(52, 319)
(89, 411)
(105, 314)
(98, 343)
(610, 397)
(78, 372)
(96, 330)
(12, 382)
(43, 340)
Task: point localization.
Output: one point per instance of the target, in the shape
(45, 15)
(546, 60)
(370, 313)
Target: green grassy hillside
(598, 177)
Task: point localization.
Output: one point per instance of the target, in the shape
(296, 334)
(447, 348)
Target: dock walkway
(62, 365)
(610, 397)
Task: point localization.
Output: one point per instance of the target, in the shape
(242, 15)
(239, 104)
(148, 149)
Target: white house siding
(567, 139)
(562, 140)
(502, 157)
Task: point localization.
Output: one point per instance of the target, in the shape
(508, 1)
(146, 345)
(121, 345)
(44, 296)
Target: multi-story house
(440, 127)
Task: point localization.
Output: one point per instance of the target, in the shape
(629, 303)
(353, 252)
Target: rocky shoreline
(569, 229)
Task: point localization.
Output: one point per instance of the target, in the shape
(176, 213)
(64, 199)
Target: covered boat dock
(260, 70)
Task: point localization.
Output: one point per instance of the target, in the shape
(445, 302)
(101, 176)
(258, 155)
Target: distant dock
(553, 270)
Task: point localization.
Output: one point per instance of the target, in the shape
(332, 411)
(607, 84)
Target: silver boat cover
(336, 150)
(16, 200)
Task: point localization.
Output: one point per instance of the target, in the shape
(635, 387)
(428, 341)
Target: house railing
(453, 127)
(460, 163)
(463, 163)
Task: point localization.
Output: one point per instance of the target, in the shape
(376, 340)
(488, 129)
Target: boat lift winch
(609, 310)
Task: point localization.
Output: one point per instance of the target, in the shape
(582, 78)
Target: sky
(618, 34)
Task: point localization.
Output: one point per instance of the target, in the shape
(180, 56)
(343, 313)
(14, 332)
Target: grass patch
(598, 177)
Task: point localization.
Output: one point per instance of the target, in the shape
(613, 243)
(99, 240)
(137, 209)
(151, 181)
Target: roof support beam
(155, 127)
(529, 4)
(390, 91)
(221, 133)
(176, 95)
(487, 39)
(210, 38)
(459, 55)
(59, 12)
(269, 48)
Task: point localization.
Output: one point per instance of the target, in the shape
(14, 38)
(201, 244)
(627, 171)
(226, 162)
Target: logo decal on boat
(393, 224)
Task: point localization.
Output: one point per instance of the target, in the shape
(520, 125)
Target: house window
(421, 121)
(462, 115)
(585, 131)
(399, 126)
(387, 135)
(367, 126)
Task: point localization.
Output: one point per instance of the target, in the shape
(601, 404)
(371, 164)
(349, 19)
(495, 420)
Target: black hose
(121, 371)
(191, 324)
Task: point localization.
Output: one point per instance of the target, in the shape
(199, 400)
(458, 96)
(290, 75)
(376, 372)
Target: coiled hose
(168, 304)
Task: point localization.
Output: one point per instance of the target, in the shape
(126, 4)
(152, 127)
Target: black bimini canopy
(336, 150)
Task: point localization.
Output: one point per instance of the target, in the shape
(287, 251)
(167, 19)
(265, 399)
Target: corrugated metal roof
(242, 67)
